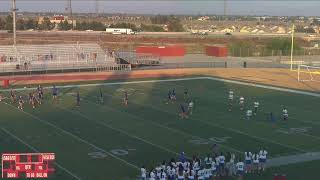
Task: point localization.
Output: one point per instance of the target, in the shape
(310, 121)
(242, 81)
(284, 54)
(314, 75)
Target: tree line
(172, 23)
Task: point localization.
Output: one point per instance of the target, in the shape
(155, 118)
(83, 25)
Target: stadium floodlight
(292, 41)
(14, 10)
(308, 73)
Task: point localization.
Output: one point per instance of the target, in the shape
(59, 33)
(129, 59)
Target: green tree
(9, 23)
(20, 24)
(283, 45)
(46, 24)
(31, 24)
(159, 19)
(175, 25)
(64, 25)
(151, 28)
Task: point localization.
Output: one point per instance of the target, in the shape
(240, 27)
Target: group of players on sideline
(35, 98)
(208, 168)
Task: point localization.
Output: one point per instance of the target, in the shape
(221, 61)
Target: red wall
(162, 50)
(216, 51)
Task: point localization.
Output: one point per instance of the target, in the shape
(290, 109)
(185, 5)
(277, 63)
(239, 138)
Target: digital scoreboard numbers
(28, 165)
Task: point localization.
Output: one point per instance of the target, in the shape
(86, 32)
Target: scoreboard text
(27, 165)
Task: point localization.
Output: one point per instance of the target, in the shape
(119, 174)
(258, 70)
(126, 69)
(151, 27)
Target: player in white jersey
(263, 159)
(190, 107)
(241, 103)
(152, 175)
(232, 165)
(249, 114)
(171, 173)
(285, 114)
(248, 161)
(163, 175)
(207, 173)
(255, 159)
(191, 174)
(230, 99)
(240, 168)
(201, 174)
(143, 173)
(222, 159)
(256, 105)
(158, 171)
(213, 168)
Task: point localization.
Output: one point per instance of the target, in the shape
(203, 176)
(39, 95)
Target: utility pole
(225, 9)
(97, 8)
(292, 41)
(68, 10)
(14, 9)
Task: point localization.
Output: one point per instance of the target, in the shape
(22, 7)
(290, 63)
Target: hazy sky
(234, 7)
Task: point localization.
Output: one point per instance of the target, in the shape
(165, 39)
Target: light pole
(14, 9)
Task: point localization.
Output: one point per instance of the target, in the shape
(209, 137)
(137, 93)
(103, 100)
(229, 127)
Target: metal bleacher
(56, 57)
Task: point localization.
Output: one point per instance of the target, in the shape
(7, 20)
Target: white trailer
(119, 31)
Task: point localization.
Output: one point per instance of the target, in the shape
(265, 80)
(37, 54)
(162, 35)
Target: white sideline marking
(266, 87)
(179, 79)
(76, 137)
(293, 159)
(35, 150)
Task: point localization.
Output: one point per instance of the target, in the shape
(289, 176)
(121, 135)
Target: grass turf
(111, 141)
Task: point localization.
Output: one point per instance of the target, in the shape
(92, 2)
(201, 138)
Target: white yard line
(293, 159)
(75, 137)
(35, 150)
(119, 130)
(137, 117)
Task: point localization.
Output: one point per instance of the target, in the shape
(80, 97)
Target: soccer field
(111, 141)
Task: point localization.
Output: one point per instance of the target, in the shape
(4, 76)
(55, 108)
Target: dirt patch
(275, 77)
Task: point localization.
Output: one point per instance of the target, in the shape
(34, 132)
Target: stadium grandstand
(26, 58)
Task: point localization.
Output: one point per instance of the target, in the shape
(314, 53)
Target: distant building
(56, 19)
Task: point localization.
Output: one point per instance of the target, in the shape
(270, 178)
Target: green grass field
(110, 141)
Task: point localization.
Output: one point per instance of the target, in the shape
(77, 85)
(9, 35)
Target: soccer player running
(13, 96)
(101, 97)
(230, 99)
(256, 106)
(78, 99)
(241, 102)
(173, 95)
(190, 107)
(186, 95)
(249, 114)
(285, 114)
(183, 113)
(21, 102)
(125, 98)
(54, 93)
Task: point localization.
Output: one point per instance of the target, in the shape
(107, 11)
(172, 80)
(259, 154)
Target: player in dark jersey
(40, 92)
(101, 97)
(13, 96)
(183, 113)
(173, 95)
(54, 93)
(30, 98)
(186, 95)
(78, 98)
(20, 103)
(125, 98)
(34, 101)
(169, 97)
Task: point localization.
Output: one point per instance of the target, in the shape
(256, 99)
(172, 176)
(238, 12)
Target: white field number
(101, 155)
(294, 130)
(210, 140)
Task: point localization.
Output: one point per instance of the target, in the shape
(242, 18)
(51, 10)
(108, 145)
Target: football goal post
(308, 73)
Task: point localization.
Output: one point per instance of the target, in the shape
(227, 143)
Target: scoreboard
(28, 165)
